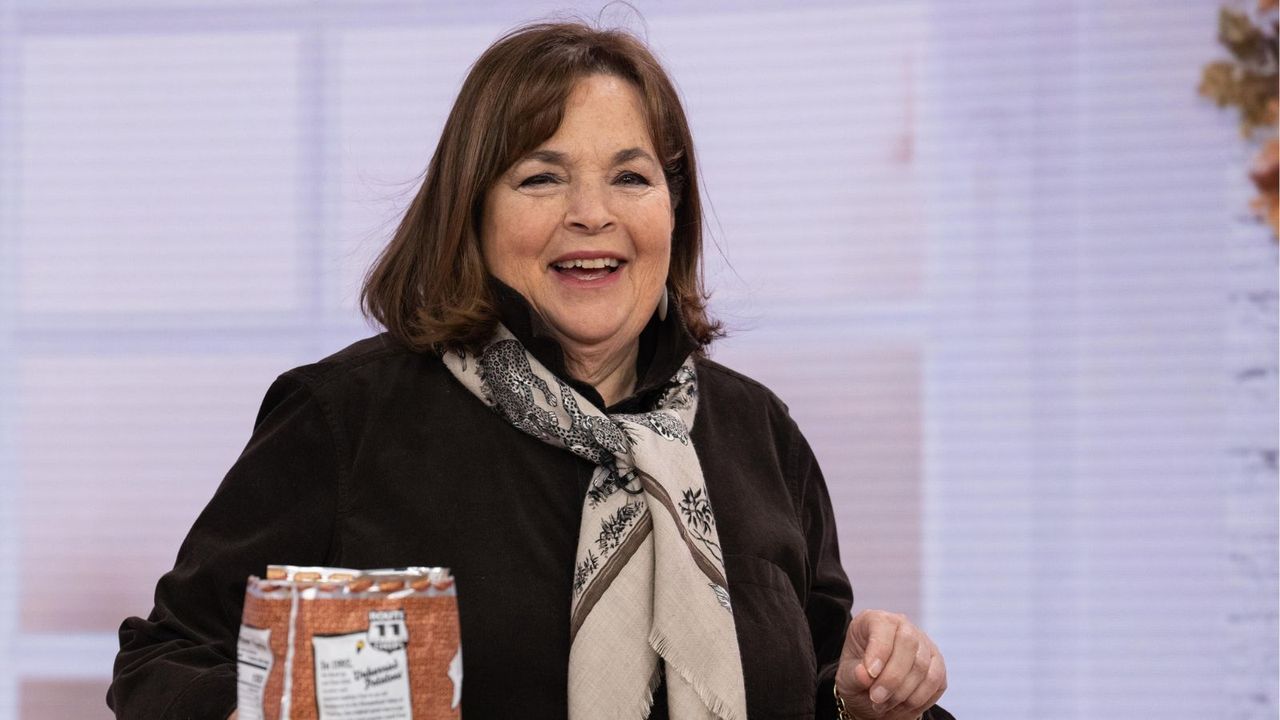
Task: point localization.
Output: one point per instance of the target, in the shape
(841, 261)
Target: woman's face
(581, 226)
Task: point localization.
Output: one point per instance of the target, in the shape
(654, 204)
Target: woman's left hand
(889, 669)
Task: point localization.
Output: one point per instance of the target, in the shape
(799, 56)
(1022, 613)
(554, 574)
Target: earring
(662, 305)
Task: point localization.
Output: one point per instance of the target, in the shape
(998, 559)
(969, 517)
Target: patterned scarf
(649, 579)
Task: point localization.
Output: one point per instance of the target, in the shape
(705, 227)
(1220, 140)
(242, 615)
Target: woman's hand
(889, 669)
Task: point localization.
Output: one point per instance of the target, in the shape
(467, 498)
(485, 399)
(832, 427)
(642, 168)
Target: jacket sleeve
(277, 504)
(829, 603)
(830, 598)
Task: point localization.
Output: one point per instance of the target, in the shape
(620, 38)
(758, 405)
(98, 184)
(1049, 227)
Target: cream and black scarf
(649, 581)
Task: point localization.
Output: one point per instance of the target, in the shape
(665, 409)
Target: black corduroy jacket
(377, 457)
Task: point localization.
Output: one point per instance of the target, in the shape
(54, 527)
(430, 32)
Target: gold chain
(841, 712)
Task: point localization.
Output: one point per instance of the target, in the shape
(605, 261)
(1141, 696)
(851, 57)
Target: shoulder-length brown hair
(429, 287)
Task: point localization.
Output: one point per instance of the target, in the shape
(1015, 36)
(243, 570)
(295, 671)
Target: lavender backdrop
(993, 254)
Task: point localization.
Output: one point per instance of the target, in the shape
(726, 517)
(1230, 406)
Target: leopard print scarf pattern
(648, 583)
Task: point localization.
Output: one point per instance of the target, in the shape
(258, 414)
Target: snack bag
(322, 643)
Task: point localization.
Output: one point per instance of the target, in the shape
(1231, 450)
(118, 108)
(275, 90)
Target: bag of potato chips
(321, 643)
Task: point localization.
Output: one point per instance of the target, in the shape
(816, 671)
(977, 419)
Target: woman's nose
(589, 210)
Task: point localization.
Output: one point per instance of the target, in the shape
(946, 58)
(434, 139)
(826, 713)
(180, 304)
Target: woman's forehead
(604, 121)
(603, 109)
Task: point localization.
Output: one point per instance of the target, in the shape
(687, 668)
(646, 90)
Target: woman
(636, 531)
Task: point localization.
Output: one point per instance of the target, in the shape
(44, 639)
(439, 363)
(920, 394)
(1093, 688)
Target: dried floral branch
(1249, 83)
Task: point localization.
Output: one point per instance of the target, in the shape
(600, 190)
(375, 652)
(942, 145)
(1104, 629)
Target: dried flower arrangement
(1248, 82)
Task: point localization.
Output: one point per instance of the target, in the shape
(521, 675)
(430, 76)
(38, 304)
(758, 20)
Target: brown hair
(429, 287)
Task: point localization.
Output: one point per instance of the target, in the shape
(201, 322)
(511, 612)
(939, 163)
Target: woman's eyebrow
(630, 154)
(547, 156)
(558, 158)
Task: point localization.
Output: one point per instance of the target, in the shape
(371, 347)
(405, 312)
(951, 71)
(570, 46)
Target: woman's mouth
(587, 269)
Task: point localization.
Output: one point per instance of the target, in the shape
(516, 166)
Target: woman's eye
(630, 178)
(539, 179)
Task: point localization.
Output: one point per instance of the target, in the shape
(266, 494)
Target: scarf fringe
(720, 707)
(654, 681)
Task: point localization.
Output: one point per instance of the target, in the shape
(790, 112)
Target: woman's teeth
(588, 264)
(587, 269)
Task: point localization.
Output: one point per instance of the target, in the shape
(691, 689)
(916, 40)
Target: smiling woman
(538, 115)
(582, 229)
(636, 531)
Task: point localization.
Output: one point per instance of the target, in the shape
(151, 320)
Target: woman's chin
(583, 331)
(582, 338)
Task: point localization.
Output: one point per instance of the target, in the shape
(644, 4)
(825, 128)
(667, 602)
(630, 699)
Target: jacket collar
(664, 345)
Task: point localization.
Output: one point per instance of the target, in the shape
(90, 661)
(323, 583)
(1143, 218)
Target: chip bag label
(253, 666)
(355, 679)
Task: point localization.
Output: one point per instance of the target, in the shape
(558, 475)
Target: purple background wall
(993, 254)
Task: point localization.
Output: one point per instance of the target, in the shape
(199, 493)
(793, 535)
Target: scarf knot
(648, 579)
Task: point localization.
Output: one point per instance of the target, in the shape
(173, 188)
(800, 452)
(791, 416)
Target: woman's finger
(916, 676)
(906, 642)
(872, 631)
(930, 687)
